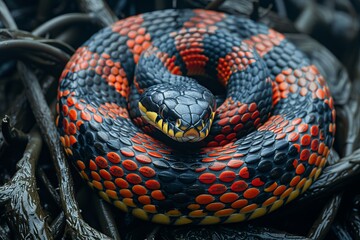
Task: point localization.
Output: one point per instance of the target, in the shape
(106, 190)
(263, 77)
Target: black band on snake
(135, 117)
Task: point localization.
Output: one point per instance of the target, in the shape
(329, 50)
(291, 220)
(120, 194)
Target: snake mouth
(177, 130)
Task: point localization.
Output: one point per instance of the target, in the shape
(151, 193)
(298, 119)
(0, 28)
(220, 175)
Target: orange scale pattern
(188, 41)
(147, 144)
(190, 47)
(310, 145)
(138, 39)
(238, 60)
(263, 43)
(303, 81)
(138, 178)
(232, 117)
(113, 73)
(169, 63)
(81, 112)
(203, 19)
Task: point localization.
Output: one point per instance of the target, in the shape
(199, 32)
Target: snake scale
(151, 140)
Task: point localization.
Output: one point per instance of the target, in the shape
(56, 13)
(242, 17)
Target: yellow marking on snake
(178, 134)
(160, 123)
(191, 132)
(236, 217)
(293, 195)
(104, 196)
(161, 218)
(201, 126)
(258, 213)
(276, 205)
(165, 127)
(151, 115)
(317, 174)
(138, 212)
(121, 205)
(209, 220)
(142, 108)
(84, 175)
(307, 185)
(183, 220)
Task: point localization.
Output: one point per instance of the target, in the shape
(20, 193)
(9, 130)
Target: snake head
(183, 113)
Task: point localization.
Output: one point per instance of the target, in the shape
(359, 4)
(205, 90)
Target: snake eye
(178, 123)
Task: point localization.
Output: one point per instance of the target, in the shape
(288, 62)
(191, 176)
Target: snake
(192, 116)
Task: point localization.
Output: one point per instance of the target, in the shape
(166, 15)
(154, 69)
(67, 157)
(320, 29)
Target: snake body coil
(134, 81)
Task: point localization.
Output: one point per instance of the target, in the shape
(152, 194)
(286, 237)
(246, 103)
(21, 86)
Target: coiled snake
(128, 99)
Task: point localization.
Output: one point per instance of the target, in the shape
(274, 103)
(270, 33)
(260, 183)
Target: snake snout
(192, 134)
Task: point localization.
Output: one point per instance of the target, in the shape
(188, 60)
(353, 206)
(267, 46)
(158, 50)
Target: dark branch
(214, 5)
(44, 119)
(323, 223)
(66, 20)
(24, 213)
(12, 135)
(99, 8)
(22, 47)
(6, 17)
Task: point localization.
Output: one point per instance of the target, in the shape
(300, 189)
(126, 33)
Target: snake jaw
(178, 130)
